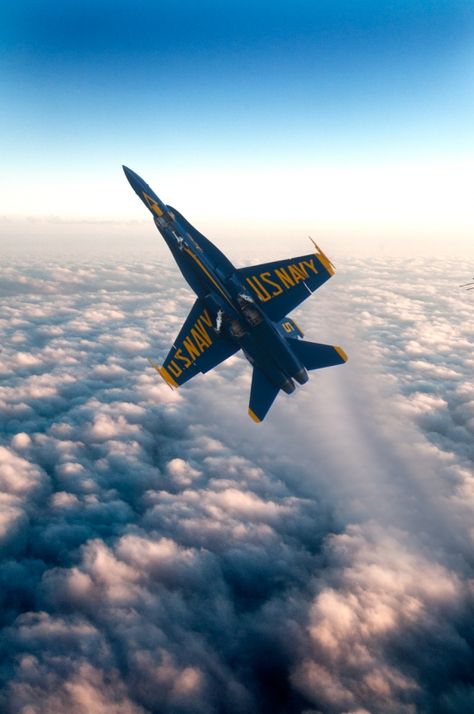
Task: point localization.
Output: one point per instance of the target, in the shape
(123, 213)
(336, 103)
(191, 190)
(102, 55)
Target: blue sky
(354, 115)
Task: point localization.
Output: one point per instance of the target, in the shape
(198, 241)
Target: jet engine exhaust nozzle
(288, 386)
(301, 376)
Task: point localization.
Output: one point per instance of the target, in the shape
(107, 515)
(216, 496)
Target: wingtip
(254, 417)
(328, 264)
(164, 374)
(341, 353)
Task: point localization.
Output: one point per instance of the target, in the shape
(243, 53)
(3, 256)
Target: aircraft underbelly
(273, 348)
(263, 349)
(240, 308)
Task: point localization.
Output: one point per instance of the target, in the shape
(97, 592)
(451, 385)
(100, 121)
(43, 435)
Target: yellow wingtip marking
(341, 353)
(167, 377)
(254, 417)
(164, 374)
(321, 255)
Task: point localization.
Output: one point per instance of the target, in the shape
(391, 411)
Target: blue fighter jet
(240, 309)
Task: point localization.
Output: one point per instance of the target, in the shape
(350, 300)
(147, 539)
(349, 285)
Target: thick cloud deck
(160, 553)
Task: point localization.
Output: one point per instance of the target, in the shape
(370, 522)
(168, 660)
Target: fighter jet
(240, 309)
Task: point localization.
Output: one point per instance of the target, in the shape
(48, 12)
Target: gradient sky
(348, 119)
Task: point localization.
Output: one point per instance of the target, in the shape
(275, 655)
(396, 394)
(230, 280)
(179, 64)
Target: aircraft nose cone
(144, 192)
(131, 175)
(135, 181)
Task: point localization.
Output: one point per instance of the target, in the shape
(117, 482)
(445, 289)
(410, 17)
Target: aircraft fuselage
(218, 283)
(240, 308)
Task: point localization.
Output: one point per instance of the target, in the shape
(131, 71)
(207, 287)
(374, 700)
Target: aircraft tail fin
(262, 395)
(316, 356)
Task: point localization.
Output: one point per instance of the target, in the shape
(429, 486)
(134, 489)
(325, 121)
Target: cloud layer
(161, 553)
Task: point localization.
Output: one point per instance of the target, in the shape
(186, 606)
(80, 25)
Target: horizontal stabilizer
(316, 356)
(262, 395)
(288, 328)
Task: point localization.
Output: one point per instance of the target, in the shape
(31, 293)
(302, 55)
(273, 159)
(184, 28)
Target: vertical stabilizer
(262, 395)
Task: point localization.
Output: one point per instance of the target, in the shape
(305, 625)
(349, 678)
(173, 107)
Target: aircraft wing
(198, 348)
(282, 285)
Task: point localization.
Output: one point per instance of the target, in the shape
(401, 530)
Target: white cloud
(164, 554)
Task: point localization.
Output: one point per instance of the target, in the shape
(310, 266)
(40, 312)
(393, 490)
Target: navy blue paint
(235, 315)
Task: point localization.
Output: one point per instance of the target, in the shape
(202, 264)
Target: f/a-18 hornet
(240, 308)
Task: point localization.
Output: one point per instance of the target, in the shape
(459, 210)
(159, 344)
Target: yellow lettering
(174, 368)
(255, 289)
(287, 326)
(302, 269)
(193, 352)
(203, 332)
(198, 339)
(284, 278)
(310, 265)
(266, 279)
(207, 318)
(295, 273)
(264, 294)
(179, 355)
